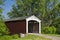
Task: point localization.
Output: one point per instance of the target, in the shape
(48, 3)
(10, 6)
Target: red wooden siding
(16, 27)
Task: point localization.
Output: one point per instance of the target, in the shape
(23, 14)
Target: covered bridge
(30, 24)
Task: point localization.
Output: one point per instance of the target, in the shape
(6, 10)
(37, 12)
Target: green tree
(1, 2)
(56, 22)
(3, 28)
(39, 8)
(29, 7)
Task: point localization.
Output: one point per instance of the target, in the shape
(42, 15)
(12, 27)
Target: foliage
(49, 30)
(30, 7)
(57, 25)
(1, 2)
(43, 9)
(9, 37)
(15, 36)
(0, 10)
(3, 28)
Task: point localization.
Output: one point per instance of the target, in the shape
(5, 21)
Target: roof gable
(33, 18)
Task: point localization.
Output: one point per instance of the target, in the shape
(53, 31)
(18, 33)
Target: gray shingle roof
(18, 18)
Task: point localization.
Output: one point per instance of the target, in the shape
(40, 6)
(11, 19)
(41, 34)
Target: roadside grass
(32, 37)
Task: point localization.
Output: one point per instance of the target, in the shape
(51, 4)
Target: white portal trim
(33, 18)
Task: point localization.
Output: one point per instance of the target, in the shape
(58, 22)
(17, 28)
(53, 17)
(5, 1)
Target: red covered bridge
(30, 24)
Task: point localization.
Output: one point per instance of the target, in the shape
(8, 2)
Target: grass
(27, 37)
(32, 37)
(57, 35)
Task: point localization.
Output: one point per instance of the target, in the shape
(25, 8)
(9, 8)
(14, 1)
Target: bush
(3, 29)
(15, 36)
(58, 30)
(49, 30)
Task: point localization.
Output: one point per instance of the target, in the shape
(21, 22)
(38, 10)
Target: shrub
(49, 30)
(15, 36)
(3, 29)
(58, 29)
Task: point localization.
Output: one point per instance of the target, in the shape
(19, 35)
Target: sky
(7, 7)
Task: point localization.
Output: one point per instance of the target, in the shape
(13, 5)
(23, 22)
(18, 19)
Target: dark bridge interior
(33, 27)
